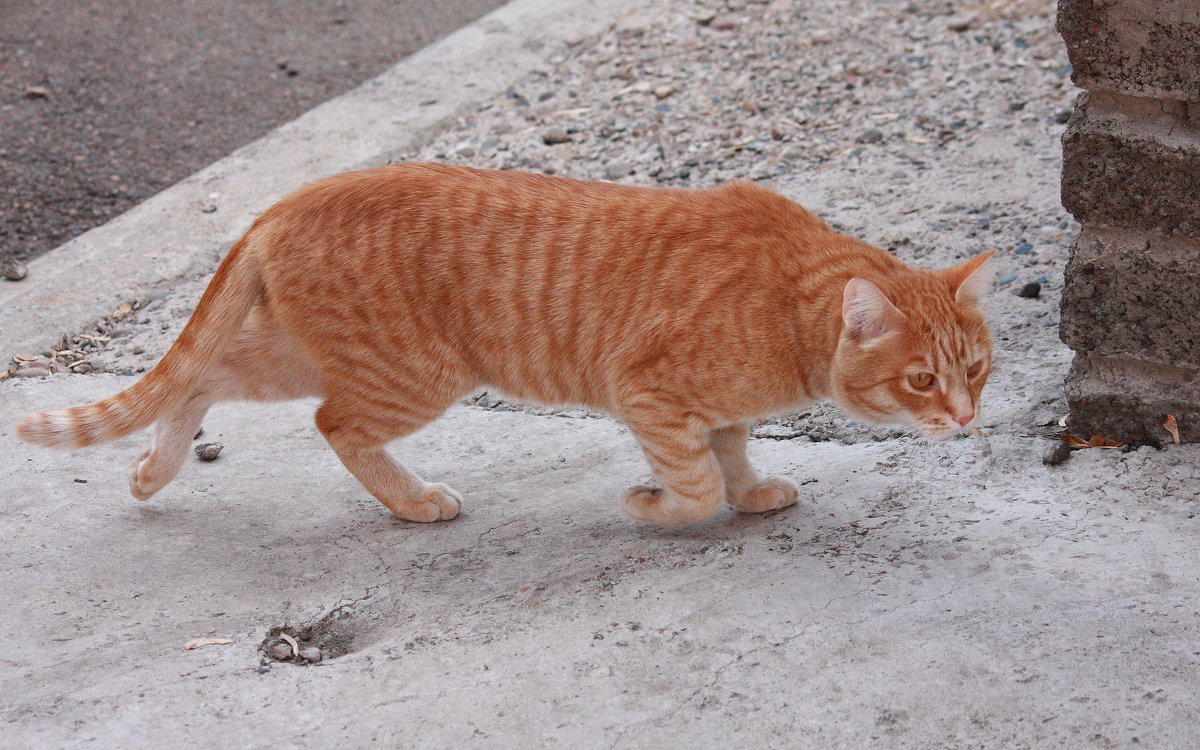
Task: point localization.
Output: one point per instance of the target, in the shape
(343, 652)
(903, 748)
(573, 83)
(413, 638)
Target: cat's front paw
(772, 493)
(437, 503)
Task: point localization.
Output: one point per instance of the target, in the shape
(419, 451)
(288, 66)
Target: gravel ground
(922, 128)
(104, 104)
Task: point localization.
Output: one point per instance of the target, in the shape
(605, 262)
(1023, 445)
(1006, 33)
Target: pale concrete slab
(921, 595)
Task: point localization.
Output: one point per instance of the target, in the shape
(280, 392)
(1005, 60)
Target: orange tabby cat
(393, 292)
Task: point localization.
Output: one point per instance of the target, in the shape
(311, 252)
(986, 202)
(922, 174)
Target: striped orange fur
(393, 292)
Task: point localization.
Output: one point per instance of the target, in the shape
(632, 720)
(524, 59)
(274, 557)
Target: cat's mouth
(940, 428)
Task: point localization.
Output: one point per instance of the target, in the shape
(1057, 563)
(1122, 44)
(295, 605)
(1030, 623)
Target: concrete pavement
(989, 601)
(955, 594)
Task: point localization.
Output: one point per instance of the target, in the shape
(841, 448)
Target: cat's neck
(820, 303)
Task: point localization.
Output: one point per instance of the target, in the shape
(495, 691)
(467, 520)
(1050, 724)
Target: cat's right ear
(972, 278)
(867, 313)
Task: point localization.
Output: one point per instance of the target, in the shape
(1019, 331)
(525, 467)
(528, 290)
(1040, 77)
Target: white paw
(142, 481)
(437, 503)
(666, 508)
(772, 493)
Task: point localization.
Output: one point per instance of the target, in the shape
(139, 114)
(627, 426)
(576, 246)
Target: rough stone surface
(1131, 176)
(1133, 295)
(1130, 399)
(1139, 47)
(1133, 163)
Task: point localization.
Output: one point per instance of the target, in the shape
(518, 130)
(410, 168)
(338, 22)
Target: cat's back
(416, 204)
(543, 285)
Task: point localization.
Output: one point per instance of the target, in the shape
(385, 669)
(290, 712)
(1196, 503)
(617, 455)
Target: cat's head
(917, 350)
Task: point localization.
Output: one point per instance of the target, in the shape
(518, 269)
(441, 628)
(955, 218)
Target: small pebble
(16, 271)
(30, 371)
(960, 23)
(1006, 278)
(1032, 290)
(601, 672)
(209, 451)
(662, 92)
(1056, 453)
(552, 136)
(870, 136)
(617, 170)
(311, 654)
(281, 651)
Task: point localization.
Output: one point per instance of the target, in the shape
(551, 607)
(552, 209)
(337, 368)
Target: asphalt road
(105, 104)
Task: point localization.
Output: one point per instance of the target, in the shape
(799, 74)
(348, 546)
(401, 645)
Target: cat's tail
(218, 318)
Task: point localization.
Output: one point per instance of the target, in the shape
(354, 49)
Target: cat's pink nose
(965, 419)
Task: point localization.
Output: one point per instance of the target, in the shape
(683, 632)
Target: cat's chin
(937, 431)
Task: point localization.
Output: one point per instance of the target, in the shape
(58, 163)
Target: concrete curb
(186, 229)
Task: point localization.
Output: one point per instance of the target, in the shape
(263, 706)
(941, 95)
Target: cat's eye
(920, 380)
(975, 369)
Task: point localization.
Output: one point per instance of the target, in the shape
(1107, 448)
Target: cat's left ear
(972, 278)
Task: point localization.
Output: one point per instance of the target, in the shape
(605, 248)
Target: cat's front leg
(745, 489)
(683, 462)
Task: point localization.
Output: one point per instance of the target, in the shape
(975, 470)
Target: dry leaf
(198, 642)
(1096, 441)
(291, 642)
(1074, 441)
(1172, 427)
(1102, 442)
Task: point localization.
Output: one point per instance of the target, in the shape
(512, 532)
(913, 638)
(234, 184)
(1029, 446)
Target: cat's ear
(971, 279)
(867, 313)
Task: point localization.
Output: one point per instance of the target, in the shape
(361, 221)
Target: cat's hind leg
(264, 363)
(745, 489)
(359, 419)
(173, 434)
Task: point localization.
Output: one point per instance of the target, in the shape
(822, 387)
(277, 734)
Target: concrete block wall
(1131, 177)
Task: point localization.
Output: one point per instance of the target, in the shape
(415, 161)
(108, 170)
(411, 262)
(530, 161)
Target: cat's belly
(547, 393)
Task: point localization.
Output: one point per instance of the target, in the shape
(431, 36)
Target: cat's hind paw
(149, 475)
(772, 493)
(665, 508)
